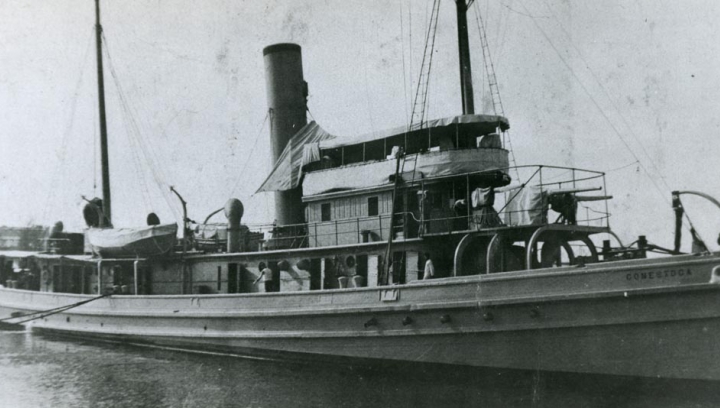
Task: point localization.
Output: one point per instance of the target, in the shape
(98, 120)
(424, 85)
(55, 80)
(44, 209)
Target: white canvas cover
(287, 171)
(528, 206)
(481, 124)
(305, 146)
(211, 232)
(361, 175)
(431, 164)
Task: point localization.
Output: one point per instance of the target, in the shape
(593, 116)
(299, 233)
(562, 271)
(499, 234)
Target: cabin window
(331, 158)
(372, 206)
(325, 210)
(416, 144)
(374, 150)
(353, 153)
(392, 141)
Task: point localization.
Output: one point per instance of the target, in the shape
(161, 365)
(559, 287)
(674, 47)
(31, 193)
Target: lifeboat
(147, 241)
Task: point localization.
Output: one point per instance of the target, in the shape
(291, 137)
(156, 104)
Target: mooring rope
(49, 312)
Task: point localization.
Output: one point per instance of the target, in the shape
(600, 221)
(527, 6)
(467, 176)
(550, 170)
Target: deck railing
(542, 182)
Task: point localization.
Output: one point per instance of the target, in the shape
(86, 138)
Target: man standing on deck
(266, 274)
(429, 267)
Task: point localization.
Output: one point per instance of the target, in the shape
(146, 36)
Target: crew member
(429, 267)
(266, 274)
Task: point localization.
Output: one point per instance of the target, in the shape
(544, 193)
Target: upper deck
(313, 150)
(456, 203)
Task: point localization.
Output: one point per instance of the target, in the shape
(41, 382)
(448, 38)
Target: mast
(105, 221)
(466, 88)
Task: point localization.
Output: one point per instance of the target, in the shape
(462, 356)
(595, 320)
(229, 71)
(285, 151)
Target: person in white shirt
(266, 274)
(429, 267)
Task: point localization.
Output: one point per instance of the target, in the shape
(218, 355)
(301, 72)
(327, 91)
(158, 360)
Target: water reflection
(41, 371)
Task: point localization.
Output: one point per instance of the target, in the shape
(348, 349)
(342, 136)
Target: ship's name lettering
(668, 273)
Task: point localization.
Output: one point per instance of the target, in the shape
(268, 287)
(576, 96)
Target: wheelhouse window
(372, 206)
(325, 212)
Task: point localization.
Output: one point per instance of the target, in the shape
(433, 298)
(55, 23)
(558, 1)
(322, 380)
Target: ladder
(490, 70)
(412, 159)
(391, 230)
(498, 108)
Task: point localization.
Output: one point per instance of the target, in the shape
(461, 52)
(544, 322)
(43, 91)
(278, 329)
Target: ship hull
(601, 319)
(673, 350)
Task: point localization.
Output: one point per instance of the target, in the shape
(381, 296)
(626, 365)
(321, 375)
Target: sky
(625, 87)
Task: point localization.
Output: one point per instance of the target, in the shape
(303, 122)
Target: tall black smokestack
(287, 103)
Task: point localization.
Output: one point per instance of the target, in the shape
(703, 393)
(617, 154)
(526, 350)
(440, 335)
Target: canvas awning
(428, 165)
(479, 124)
(288, 168)
(305, 146)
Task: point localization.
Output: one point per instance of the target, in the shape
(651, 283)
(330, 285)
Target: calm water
(42, 371)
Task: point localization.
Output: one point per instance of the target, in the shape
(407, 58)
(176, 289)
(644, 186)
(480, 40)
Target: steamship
(520, 279)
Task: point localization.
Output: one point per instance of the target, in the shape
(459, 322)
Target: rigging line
(145, 143)
(421, 92)
(59, 168)
(595, 211)
(607, 95)
(694, 230)
(148, 154)
(152, 160)
(406, 101)
(502, 38)
(493, 86)
(365, 78)
(243, 175)
(434, 13)
(622, 167)
(132, 114)
(132, 128)
(597, 105)
(96, 167)
(481, 86)
(138, 165)
(136, 146)
(57, 310)
(145, 192)
(410, 48)
(498, 26)
(521, 13)
(60, 308)
(519, 189)
(432, 50)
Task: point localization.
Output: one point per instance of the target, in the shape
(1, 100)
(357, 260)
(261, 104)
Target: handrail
(349, 230)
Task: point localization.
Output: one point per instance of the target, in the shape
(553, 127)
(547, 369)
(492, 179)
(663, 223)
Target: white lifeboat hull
(148, 241)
